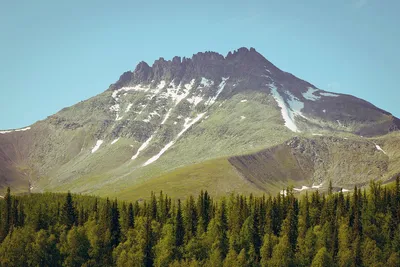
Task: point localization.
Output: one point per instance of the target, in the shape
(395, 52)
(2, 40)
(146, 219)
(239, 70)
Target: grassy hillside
(218, 177)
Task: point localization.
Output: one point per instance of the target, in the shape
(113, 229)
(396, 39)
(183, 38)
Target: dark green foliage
(131, 216)
(115, 228)
(68, 212)
(179, 228)
(358, 229)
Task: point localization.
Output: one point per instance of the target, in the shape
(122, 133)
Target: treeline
(336, 229)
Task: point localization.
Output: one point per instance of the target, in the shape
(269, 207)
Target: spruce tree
(6, 214)
(330, 188)
(322, 259)
(115, 227)
(190, 218)
(179, 227)
(68, 212)
(131, 216)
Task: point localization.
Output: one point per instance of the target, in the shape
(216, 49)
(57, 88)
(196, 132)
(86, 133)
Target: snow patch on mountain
(138, 88)
(380, 149)
(286, 110)
(114, 141)
(340, 124)
(166, 116)
(16, 130)
(175, 93)
(189, 86)
(317, 186)
(188, 123)
(23, 129)
(195, 100)
(302, 188)
(206, 82)
(128, 107)
(295, 105)
(154, 113)
(328, 94)
(143, 146)
(242, 117)
(309, 95)
(221, 87)
(97, 146)
(116, 108)
(244, 100)
(161, 85)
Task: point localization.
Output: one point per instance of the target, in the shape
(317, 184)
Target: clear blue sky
(56, 53)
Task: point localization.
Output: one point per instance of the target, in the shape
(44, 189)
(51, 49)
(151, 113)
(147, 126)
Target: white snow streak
(244, 100)
(161, 85)
(23, 129)
(195, 100)
(137, 88)
(287, 113)
(310, 94)
(345, 190)
(380, 149)
(128, 107)
(188, 123)
(317, 186)
(242, 117)
(221, 87)
(116, 108)
(174, 92)
(340, 124)
(97, 146)
(206, 82)
(166, 116)
(16, 130)
(302, 188)
(116, 140)
(156, 157)
(328, 94)
(143, 146)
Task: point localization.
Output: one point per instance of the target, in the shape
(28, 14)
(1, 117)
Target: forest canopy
(361, 228)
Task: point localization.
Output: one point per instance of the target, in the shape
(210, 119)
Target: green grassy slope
(218, 177)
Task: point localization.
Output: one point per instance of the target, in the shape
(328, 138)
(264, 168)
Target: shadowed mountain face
(176, 113)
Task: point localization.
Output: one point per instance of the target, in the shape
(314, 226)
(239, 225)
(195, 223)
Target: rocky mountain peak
(207, 56)
(212, 65)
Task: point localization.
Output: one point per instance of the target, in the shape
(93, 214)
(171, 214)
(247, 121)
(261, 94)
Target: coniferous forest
(361, 228)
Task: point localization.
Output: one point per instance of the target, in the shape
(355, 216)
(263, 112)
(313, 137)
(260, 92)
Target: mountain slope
(177, 113)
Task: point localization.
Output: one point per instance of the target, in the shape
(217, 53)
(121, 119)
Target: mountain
(225, 124)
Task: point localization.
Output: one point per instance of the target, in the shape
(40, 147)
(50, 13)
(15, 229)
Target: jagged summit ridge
(211, 65)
